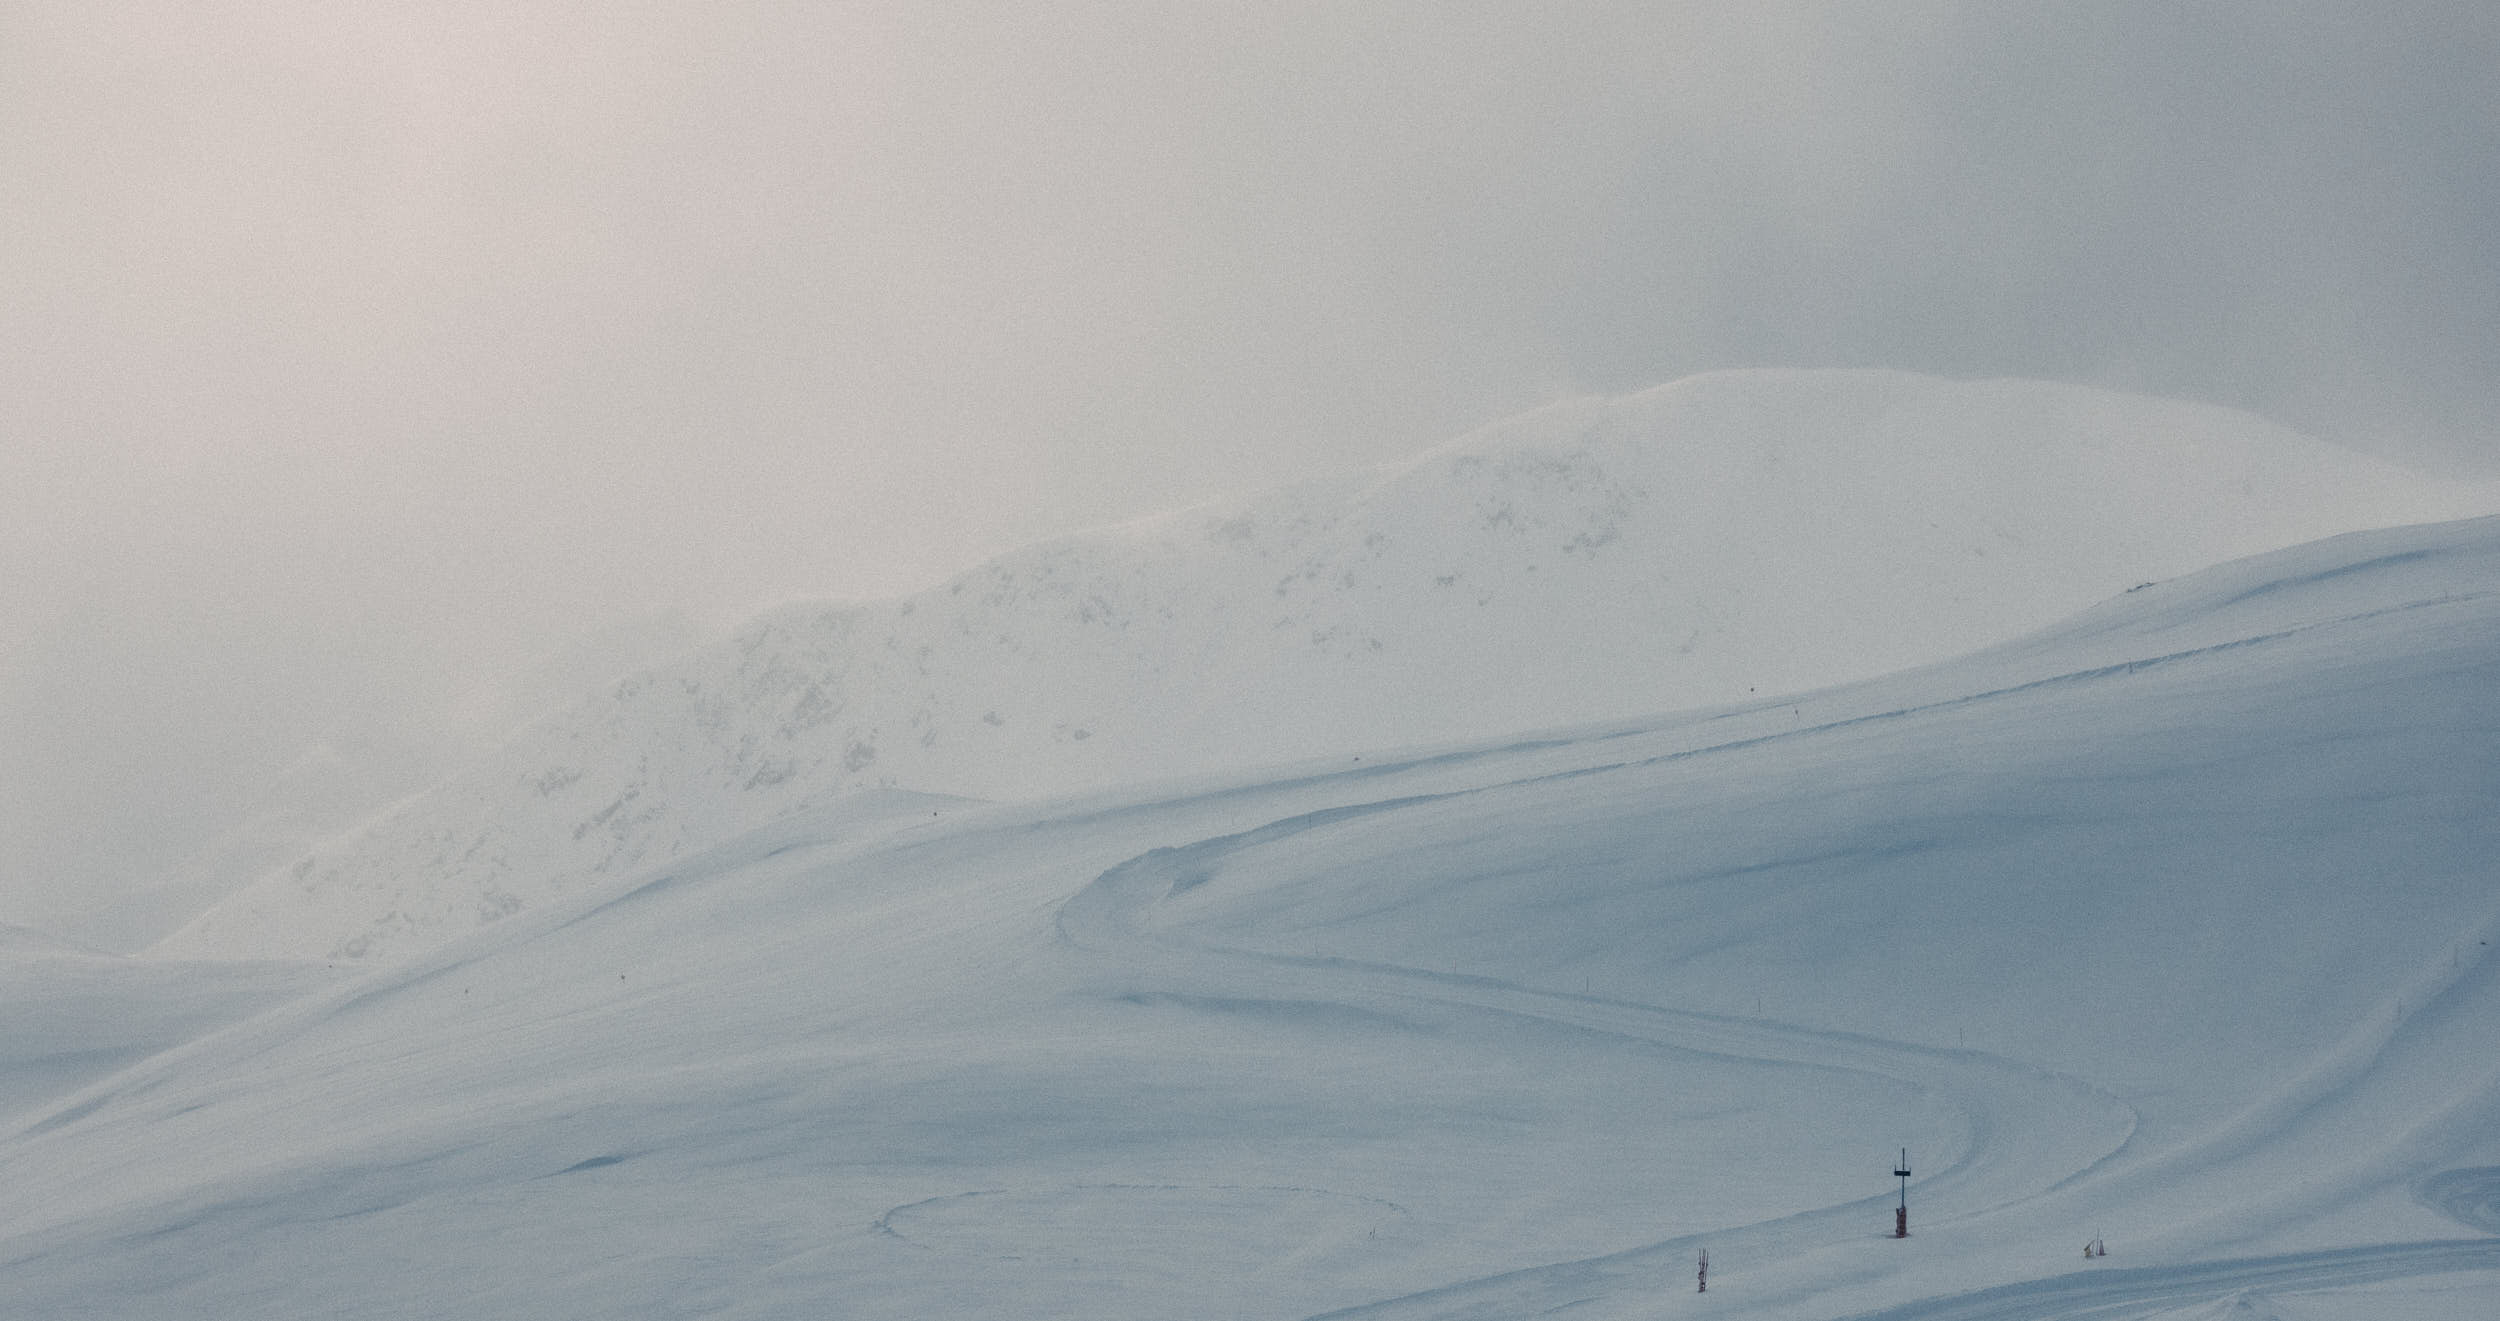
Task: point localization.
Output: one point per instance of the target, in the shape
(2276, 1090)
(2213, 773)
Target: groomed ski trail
(2071, 1127)
(2114, 1295)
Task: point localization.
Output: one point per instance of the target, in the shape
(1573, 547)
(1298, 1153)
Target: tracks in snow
(2111, 1295)
(2069, 1127)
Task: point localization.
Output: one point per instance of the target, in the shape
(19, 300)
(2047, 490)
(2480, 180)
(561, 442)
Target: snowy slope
(331, 787)
(1733, 533)
(2172, 925)
(76, 1015)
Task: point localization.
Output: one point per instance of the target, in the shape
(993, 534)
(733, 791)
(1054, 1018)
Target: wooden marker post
(1901, 1216)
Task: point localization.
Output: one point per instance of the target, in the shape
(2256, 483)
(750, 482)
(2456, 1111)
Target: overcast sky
(353, 358)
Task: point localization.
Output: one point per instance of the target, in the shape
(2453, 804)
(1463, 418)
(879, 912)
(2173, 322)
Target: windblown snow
(1733, 534)
(2170, 926)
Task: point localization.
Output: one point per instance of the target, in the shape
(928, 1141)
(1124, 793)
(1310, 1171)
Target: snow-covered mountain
(352, 776)
(330, 787)
(1733, 533)
(2170, 928)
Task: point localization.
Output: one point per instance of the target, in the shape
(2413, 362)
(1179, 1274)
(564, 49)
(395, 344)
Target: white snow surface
(1743, 532)
(2171, 926)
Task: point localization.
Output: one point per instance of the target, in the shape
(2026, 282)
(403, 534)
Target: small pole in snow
(1901, 1216)
(1704, 1277)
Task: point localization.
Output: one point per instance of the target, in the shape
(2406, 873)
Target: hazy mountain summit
(1734, 533)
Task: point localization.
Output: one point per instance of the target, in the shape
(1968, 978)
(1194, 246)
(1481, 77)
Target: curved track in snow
(2469, 1197)
(2026, 1132)
(2112, 1295)
(1994, 1097)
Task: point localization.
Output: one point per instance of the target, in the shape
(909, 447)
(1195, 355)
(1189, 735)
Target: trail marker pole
(1901, 1216)
(1704, 1277)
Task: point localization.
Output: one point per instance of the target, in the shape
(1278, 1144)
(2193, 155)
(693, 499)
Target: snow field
(2165, 925)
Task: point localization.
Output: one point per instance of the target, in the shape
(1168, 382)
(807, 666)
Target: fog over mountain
(1278, 661)
(1732, 534)
(360, 357)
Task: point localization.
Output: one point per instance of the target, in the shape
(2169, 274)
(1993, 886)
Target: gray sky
(352, 358)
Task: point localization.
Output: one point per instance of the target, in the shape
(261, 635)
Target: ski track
(1992, 1095)
(2469, 1197)
(2112, 1295)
